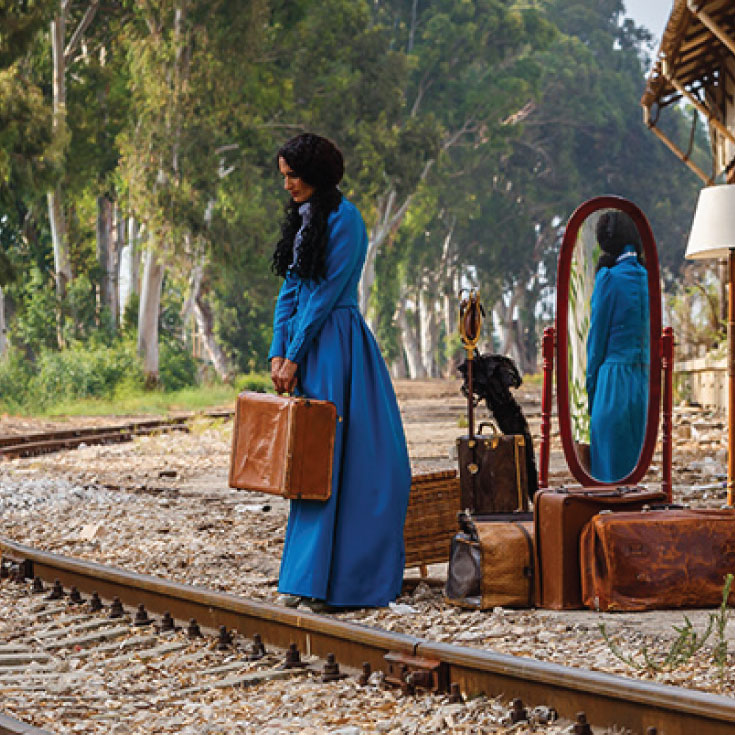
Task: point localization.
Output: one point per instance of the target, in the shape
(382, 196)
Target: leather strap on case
(530, 570)
(519, 442)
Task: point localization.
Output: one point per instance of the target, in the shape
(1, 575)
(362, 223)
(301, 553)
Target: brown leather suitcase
(559, 516)
(491, 563)
(283, 445)
(492, 473)
(657, 559)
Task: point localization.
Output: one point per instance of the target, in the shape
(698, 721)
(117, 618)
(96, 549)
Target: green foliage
(177, 368)
(259, 382)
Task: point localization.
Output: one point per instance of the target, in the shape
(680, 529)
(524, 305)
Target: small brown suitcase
(492, 472)
(559, 516)
(491, 563)
(283, 445)
(657, 559)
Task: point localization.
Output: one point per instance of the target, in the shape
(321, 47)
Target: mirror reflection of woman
(618, 350)
(347, 551)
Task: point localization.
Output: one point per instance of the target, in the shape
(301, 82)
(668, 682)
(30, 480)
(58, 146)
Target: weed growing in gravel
(685, 645)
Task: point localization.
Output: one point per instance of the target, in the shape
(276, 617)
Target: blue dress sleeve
(599, 333)
(343, 257)
(285, 306)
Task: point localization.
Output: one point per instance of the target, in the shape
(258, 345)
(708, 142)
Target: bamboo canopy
(696, 62)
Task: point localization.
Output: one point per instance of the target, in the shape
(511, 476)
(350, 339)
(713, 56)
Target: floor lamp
(713, 236)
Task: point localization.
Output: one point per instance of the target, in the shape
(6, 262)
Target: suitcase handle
(491, 424)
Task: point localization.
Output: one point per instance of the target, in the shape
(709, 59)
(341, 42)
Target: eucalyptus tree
(184, 93)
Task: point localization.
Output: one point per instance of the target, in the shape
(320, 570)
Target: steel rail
(606, 699)
(44, 442)
(11, 726)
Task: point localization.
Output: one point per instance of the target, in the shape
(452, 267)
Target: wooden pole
(547, 350)
(710, 23)
(667, 362)
(674, 148)
(731, 379)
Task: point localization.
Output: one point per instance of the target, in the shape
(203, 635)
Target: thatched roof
(690, 52)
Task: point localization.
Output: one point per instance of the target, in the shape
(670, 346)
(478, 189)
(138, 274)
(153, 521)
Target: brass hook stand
(471, 314)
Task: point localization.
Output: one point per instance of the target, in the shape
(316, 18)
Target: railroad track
(408, 661)
(30, 445)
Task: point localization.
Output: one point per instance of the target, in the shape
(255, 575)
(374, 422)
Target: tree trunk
(62, 261)
(104, 251)
(150, 303)
(205, 324)
(129, 283)
(3, 325)
(410, 343)
(427, 330)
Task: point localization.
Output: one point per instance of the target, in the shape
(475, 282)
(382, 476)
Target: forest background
(140, 199)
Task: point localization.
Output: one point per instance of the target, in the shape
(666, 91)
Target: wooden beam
(710, 23)
(702, 109)
(675, 148)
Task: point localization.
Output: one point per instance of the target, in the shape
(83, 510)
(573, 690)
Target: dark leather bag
(559, 517)
(491, 563)
(283, 445)
(657, 559)
(492, 472)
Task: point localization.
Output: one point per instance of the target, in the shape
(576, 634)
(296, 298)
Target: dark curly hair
(614, 231)
(318, 162)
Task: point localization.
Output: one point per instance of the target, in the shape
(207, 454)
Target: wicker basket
(431, 520)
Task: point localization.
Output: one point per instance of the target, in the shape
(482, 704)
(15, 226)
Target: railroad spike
(57, 591)
(455, 694)
(193, 630)
(293, 658)
(116, 609)
(364, 678)
(167, 623)
(257, 648)
(582, 727)
(518, 712)
(224, 640)
(37, 588)
(75, 598)
(95, 604)
(141, 616)
(330, 671)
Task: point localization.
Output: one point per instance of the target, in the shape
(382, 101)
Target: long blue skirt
(349, 550)
(618, 420)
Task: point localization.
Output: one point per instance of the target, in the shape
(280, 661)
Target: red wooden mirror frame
(556, 343)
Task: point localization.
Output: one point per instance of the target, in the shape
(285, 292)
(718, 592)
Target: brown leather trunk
(657, 559)
(492, 473)
(559, 516)
(283, 445)
(491, 564)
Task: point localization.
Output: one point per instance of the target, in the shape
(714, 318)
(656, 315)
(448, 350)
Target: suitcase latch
(415, 672)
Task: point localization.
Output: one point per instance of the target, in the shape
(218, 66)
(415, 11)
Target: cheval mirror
(565, 347)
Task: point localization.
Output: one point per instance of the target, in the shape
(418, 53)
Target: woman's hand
(285, 381)
(275, 367)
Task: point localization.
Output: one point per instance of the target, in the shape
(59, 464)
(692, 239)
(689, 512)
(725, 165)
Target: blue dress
(617, 367)
(348, 550)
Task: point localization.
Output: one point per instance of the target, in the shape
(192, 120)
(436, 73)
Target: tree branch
(81, 28)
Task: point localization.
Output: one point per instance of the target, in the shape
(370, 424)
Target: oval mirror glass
(608, 316)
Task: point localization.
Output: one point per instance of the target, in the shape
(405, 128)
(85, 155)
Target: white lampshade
(713, 228)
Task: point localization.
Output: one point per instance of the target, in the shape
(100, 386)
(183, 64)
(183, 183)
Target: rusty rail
(607, 700)
(30, 445)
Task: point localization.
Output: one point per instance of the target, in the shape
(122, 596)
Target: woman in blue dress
(617, 350)
(347, 551)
